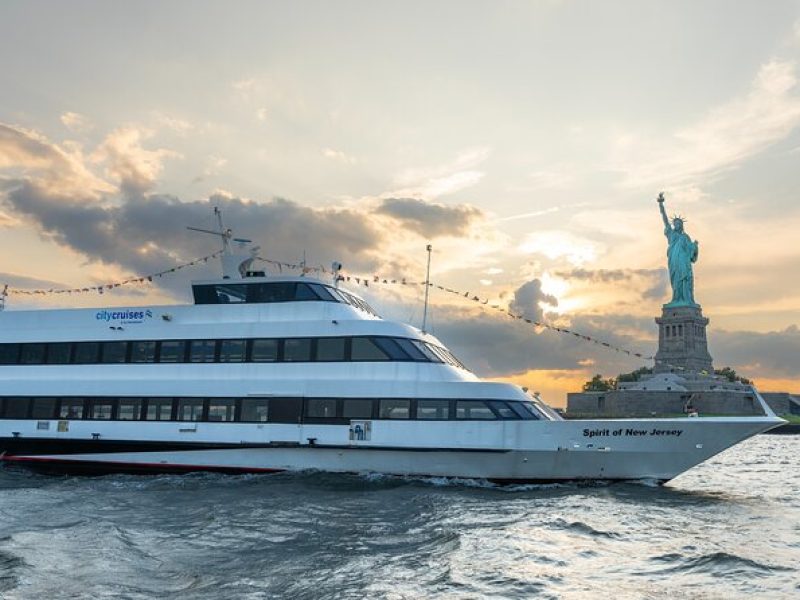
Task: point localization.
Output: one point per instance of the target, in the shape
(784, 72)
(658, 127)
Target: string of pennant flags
(360, 280)
(377, 280)
(100, 289)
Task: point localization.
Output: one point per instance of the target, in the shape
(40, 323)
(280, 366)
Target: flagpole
(427, 287)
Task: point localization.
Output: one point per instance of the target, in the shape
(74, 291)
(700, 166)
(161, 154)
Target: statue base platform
(682, 341)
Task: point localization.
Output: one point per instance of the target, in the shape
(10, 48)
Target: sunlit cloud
(127, 161)
(56, 167)
(432, 182)
(529, 215)
(76, 122)
(339, 156)
(721, 140)
(556, 244)
(172, 122)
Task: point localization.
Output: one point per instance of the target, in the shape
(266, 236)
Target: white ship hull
(533, 451)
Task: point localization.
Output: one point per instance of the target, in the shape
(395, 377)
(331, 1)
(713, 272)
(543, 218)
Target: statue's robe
(682, 252)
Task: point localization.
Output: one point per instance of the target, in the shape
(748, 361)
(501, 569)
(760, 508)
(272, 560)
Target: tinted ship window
(101, 409)
(130, 409)
(433, 409)
(473, 410)
(86, 353)
(143, 352)
(321, 408)
(190, 409)
(366, 349)
(232, 351)
(114, 352)
(221, 409)
(71, 408)
(265, 351)
(9, 354)
(262, 292)
(331, 349)
(395, 409)
(298, 349)
(356, 408)
(172, 351)
(391, 348)
(17, 408)
(525, 410)
(202, 351)
(503, 410)
(255, 410)
(32, 354)
(43, 408)
(285, 410)
(59, 353)
(159, 409)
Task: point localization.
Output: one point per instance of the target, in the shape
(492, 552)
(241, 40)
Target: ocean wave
(717, 564)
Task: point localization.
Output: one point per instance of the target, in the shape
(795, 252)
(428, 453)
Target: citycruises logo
(125, 317)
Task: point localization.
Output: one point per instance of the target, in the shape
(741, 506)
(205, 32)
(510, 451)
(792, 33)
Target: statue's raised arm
(664, 217)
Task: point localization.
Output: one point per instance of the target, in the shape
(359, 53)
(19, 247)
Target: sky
(525, 141)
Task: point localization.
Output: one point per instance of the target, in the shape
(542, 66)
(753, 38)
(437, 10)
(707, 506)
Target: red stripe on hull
(102, 466)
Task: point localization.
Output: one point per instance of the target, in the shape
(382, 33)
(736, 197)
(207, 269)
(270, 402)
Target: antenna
(428, 248)
(225, 234)
(231, 264)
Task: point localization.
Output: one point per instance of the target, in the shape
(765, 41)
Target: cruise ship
(267, 373)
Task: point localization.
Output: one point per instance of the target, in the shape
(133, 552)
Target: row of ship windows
(261, 410)
(281, 291)
(323, 349)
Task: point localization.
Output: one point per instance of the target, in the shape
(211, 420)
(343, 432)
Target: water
(727, 529)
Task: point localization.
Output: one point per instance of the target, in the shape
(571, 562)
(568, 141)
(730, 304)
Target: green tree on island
(634, 375)
(598, 384)
(731, 375)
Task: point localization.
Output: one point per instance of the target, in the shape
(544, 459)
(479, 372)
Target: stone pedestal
(682, 342)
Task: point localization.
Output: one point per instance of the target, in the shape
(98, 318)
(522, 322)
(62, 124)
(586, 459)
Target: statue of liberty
(681, 253)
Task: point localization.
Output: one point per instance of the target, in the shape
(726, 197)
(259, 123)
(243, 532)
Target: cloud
(145, 234)
(656, 279)
(135, 167)
(529, 215)
(528, 300)
(432, 182)
(430, 219)
(339, 156)
(21, 281)
(213, 167)
(721, 140)
(176, 124)
(76, 122)
(60, 168)
(758, 354)
(555, 244)
(7, 220)
(501, 347)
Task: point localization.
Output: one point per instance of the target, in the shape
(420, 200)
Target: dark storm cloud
(758, 354)
(495, 346)
(430, 219)
(148, 234)
(528, 300)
